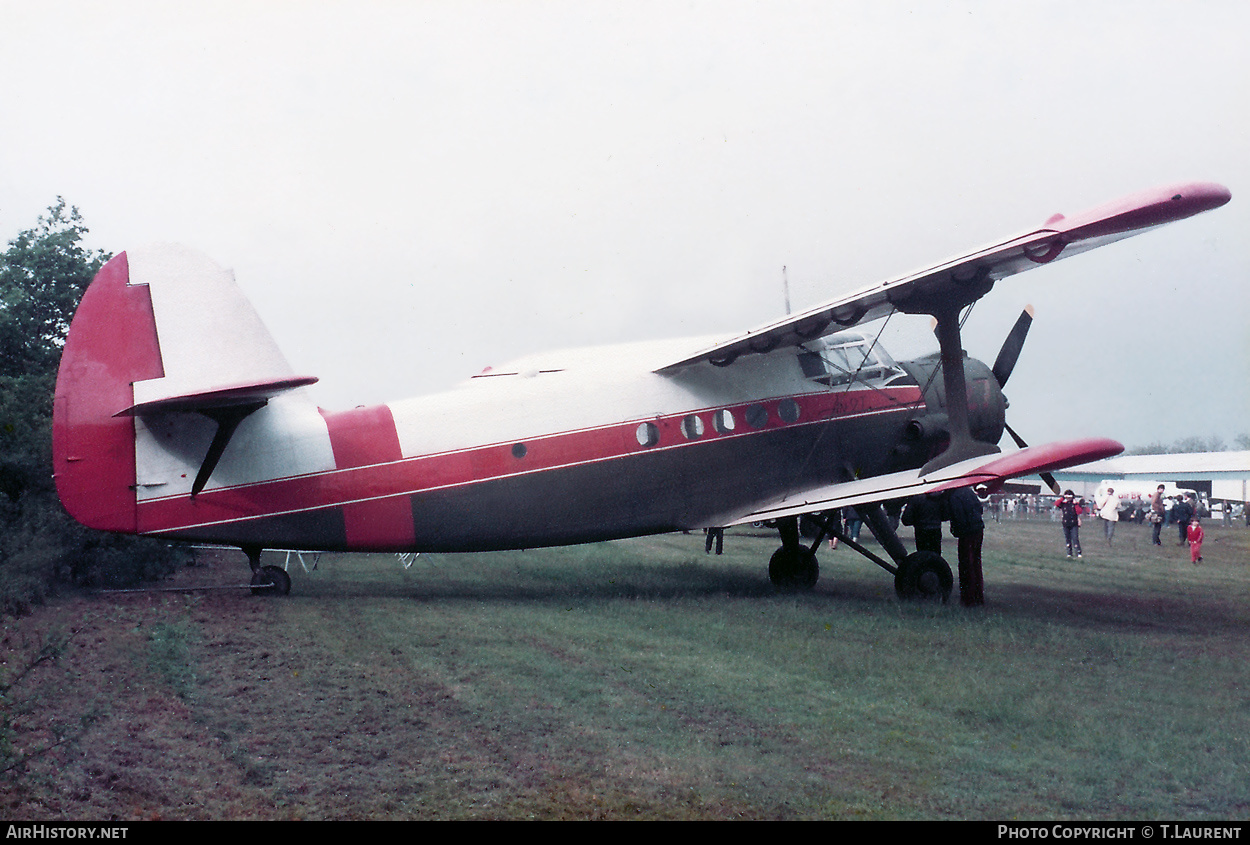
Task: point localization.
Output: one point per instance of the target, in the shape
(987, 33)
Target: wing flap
(991, 471)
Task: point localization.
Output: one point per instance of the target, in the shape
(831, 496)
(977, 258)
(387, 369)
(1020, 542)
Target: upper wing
(991, 471)
(1058, 238)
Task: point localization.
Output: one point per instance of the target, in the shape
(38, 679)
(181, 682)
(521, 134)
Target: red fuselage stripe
(392, 480)
(366, 437)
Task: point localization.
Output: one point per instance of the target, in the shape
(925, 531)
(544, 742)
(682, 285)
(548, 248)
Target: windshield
(843, 359)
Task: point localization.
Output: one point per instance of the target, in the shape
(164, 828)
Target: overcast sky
(410, 191)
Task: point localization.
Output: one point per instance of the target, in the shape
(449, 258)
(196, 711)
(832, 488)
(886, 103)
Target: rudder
(112, 343)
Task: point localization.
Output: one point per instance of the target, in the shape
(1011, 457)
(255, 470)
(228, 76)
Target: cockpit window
(842, 360)
(813, 365)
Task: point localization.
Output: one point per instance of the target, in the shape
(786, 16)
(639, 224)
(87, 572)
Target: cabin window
(723, 421)
(648, 434)
(519, 450)
(757, 416)
(692, 427)
(788, 410)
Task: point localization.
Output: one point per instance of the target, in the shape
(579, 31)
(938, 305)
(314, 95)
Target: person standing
(833, 519)
(1158, 512)
(964, 509)
(1183, 513)
(1194, 534)
(714, 536)
(924, 513)
(1071, 509)
(853, 522)
(1109, 512)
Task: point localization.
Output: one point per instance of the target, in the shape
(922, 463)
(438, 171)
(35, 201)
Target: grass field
(644, 679)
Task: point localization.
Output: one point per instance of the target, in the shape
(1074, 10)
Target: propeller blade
(1046, 476)
(1051, 483)
(1006, 361)
(1019, 440)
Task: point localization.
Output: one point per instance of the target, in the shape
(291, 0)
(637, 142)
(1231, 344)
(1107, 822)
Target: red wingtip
(1142, 210)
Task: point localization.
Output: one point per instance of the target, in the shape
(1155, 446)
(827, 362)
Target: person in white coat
(1109, 512)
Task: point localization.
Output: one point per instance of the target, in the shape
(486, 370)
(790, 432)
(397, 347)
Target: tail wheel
(924, 576)
(271, 580)
(793, 569)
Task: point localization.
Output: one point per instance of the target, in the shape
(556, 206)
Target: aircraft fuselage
(543, 454)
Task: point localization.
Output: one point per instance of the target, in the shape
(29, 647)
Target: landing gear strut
(917, 576)
(266, 580)
(922, 576)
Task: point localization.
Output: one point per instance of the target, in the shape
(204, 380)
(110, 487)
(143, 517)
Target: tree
(1185, 445)
(43, 275)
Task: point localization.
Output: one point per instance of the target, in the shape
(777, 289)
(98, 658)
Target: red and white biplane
(177, 416)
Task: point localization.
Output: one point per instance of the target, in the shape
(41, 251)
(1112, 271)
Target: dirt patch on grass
(205, 705)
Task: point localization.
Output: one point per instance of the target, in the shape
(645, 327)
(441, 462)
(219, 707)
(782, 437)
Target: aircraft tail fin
(159, 330)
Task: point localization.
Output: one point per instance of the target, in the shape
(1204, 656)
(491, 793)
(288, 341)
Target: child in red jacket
(1194, 534)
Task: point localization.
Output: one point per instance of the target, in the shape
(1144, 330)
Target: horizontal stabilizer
(225, 397)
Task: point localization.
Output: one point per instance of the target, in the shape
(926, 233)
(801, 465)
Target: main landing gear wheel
(924, 576)
(271, 580)
(793, 569)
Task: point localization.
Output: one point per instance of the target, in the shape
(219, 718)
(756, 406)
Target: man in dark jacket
(1071, 509)
(1183, 512)
(964, 509)
(924, 513)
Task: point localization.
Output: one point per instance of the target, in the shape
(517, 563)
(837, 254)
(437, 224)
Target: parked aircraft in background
(177, 416)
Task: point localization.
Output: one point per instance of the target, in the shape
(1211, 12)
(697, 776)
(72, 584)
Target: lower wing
(992, 471)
